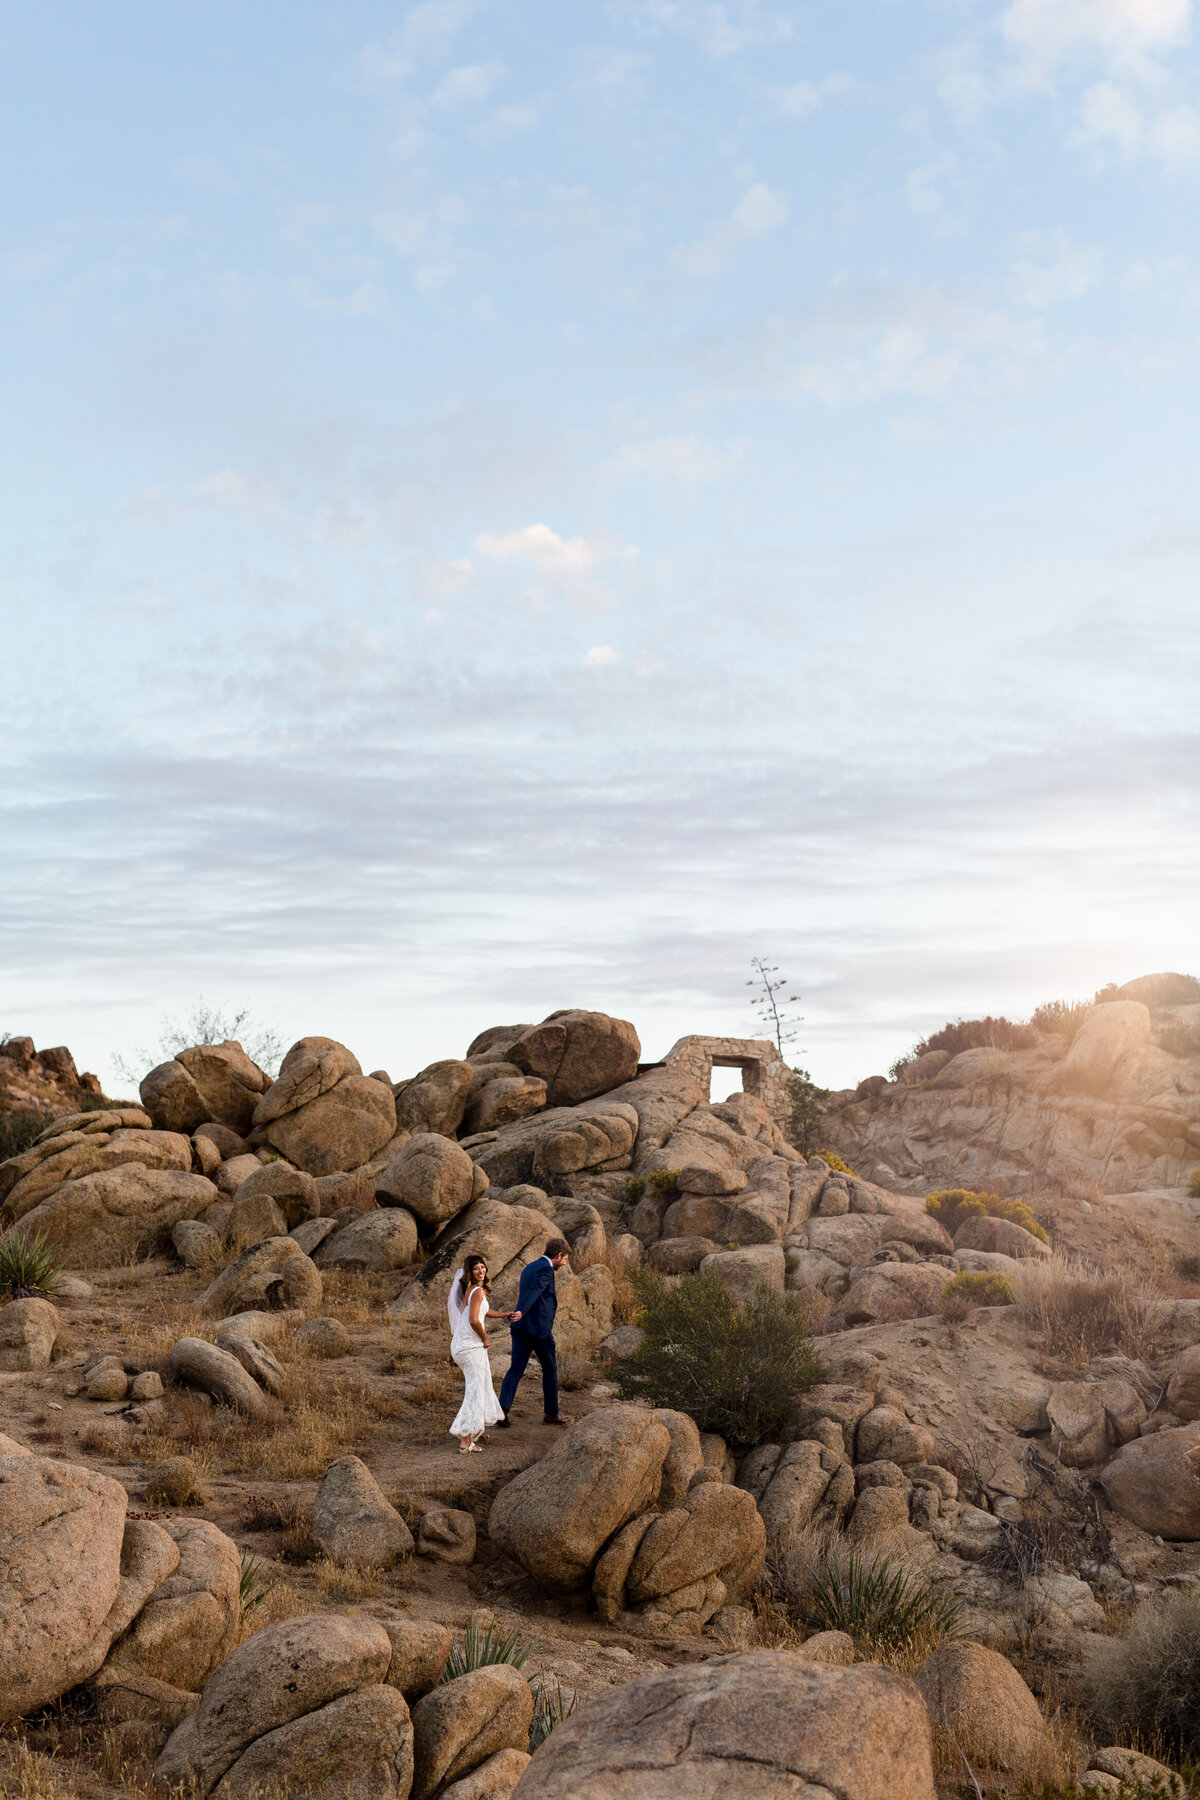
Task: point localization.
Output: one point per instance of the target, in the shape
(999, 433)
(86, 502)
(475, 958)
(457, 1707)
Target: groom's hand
(516, 1316)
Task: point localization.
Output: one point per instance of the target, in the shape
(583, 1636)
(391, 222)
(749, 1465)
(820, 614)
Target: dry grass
(1076, 1310)
(282, 1602)
(1145, 1686)
(289, 1513)
(353, 1296)
(108, 1439)
(347, 1581)
(319, 1417)
(625, 1301)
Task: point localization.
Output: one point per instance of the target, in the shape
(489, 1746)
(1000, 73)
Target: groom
(533, 1332)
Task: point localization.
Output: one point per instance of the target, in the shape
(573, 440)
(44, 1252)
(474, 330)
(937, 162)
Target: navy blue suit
(537, 1303)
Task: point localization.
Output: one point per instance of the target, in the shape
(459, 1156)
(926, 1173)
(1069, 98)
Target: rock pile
(1118, 1104)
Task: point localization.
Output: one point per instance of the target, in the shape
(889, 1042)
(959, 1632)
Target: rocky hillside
(1115, 1102)
(42, 1080)
(241, 1554)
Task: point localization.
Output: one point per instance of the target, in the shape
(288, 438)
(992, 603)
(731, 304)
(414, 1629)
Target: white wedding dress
(480, 1407)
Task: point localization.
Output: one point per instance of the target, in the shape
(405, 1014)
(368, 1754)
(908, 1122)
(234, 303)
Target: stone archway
(764, 1072)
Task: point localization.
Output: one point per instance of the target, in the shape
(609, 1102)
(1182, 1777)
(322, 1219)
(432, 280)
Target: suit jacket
(537, 1299)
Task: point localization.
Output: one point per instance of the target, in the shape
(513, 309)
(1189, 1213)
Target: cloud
(600, 656)
(466, 86)
(758, 212)
(544, 550)
(922, 190)
(250, 495)
(718, 30)
(426, 34)
(800, 99)
(507, 122)
(1128, 34)
(1064, 271)
(686, 459)
(1110, 119)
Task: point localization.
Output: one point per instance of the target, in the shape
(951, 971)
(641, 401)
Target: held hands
(515, 1317)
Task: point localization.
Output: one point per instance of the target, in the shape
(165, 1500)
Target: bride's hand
(487, 1342)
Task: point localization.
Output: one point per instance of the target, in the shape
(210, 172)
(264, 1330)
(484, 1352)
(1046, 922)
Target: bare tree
(770, 1003)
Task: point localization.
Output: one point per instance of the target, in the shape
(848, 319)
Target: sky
(509, 505)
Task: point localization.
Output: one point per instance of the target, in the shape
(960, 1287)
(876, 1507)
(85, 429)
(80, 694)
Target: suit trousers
(523, 1347)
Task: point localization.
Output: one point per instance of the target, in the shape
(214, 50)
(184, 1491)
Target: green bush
(736, 1368)
(1061, 1018)
(481, 1648)
(1194, 1184)
(952, 1206)
(28, 1265)
(1144, 1687)
(257, 1580)
(663, 1181)
(806, 1102)
(882, 1608)
(635, 1187)
(834, 1162)
(550, 1707)
(977, 1287)
(20, 1129)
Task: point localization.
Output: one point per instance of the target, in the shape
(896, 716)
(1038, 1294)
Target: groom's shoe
(503, 1424)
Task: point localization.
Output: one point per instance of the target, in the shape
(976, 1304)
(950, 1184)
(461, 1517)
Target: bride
(468, 1309)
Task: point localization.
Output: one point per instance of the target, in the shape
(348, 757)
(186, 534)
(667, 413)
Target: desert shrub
(952, 1206)
(1061, 1018)
(1144, 1687)
(480, 1648)
(1194, 1184)
(28, 1265)
(1078, 1311)
(20, 1129)
(735, 1367)
(255, 1584)
(663, 1181)
(977, 1034)
(975, 1287)
(550, 1707)
(806, 1102)
(882, 1607)
(834, 1162)
(635, 1187)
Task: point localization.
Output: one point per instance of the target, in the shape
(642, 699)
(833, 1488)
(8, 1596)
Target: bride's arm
(476, 1321)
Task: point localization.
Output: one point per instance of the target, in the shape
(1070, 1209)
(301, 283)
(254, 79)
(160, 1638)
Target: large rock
(761, 1726)
(118, 1214)
(386, 1239)
(353, 1521)
(42, 1170)
(435, 1100)
(341, 1129)
(293, 1191)
(683, 1458)
(503, 1099)
(977, 1696)
(312, 1067)
(577, 1054)
(1001, 1236)
(1155, 1483)
(172, 1098)
(1183, 1389)
(794, 1489)
(419, 1651)
(556, 1516)
(228, 1082)
(358, 1747)
(280, 1674)
(495, 1779)
(715, 1532)
(270, 1276)
(1105, 1039)
(431, 1176)
(28, 1330)
(193, 1363)
(61, 1529)
(190, 1623)
(462, 1722)
(892, 1292)
(743, 1272)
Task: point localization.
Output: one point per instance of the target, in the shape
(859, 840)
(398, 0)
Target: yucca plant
(480, 1648)
(550, 1707)
(28, 1265)
(882, 1608)
(255, 1584)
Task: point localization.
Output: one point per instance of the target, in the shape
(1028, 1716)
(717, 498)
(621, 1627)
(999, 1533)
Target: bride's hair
(462, 1281)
